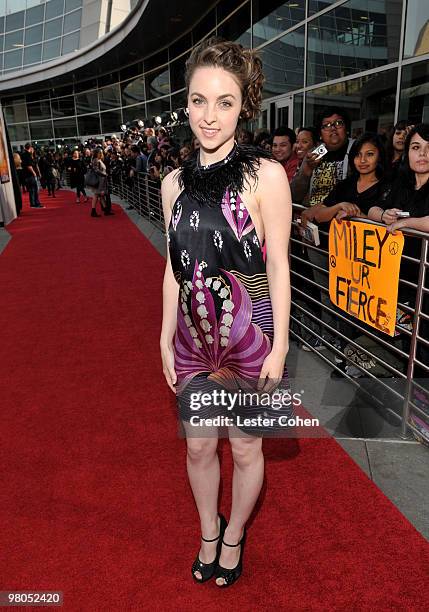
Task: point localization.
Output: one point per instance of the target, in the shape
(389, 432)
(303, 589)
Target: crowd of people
(384, 180)
(115, 159)
(369, 176)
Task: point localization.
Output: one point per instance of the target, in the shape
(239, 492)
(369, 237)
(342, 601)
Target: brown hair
(244, 64)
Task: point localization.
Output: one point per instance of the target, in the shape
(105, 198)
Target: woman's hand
(306, 216)
(167, 356)
(312, 160)
(390, 215)
(271, 372)
(347, 209)
(396, 225)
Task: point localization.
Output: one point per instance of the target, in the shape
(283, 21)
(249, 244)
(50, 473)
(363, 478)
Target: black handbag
(92, 179)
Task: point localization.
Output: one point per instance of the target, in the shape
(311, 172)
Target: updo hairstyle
(244, 65)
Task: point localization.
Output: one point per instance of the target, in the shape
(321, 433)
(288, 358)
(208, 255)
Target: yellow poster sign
(4, 163)
(364, 261)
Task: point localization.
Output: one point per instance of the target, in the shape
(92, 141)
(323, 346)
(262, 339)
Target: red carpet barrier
(94, 498)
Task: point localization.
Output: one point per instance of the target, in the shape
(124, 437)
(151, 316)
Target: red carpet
(94, 499)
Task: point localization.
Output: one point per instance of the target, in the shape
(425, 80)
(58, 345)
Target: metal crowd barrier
(405, 358)
(403, 390)
(143, 194)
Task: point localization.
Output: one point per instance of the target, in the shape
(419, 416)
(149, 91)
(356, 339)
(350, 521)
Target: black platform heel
(231, 575)
(207, 569)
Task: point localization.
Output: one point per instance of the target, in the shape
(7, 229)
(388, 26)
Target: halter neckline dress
(224, 316)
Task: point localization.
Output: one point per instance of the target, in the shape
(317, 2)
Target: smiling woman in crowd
(306, 140)
(354, 196)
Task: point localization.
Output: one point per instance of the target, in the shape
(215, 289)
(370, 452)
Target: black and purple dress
(224, 317)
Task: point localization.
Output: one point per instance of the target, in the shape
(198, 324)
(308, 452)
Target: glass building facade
(37, 31)
(367, 56)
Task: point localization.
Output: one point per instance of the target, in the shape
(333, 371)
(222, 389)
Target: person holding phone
(318, 173)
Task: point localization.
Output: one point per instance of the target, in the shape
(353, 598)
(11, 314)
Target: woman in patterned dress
(225, 305)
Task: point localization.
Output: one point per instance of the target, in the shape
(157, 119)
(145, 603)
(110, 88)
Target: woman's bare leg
(247, 482)
(202, 464)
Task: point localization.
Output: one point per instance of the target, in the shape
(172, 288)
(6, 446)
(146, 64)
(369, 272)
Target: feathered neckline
(208, 184)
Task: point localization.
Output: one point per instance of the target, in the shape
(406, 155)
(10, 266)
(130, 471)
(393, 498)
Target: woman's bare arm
(417, 223)
(275, 205)
(324, 214)
(170, 288)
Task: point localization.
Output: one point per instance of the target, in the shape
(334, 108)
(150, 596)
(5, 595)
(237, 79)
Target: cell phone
(320, 151)
(403, 214)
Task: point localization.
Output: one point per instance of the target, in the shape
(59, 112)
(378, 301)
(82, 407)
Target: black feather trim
(208, 184)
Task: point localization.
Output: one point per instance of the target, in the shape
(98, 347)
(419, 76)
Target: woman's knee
(201, 449)
(245, 451)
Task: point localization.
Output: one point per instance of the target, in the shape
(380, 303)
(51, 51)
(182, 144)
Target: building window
(237, 27)
(133, 91)
(283, 63)
(71, 5)
(158, 107)
(13, 59)
(51, 49)
(271, 17)
(63, 107)
(369, 101)
(70, 43)
(16, 113)
(34, 35)
(110, 97)
(414, 102)
(417, 29)
(203, 27)
(39, 110)
(19, 132)
(14, 21)
(33, 54)
(133, 113)
(179, 100)
(13, 40)
(177, 73)
(158, 83)
(64, 128)
(110, 121)
(72, 22)
(315, 6)
(34, 15)
(54, 8)
(89, 125)
(53, 28)
(354, 37)
(41, 130)
(87, 102)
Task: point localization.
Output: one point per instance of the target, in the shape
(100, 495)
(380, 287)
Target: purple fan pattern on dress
(236, 213)
(230, 350)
